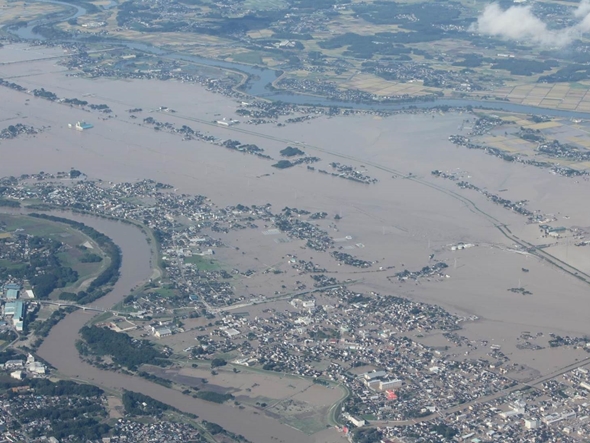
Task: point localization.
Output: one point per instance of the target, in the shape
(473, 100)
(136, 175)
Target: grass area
(85, 270)
(62, 233)
(203, 263)
(165, 292)
(100, 318)
(251, 58)
(308, 426)
(10, 265)
(265, 5)
(45, 312)
(369, 417)
(579, 86)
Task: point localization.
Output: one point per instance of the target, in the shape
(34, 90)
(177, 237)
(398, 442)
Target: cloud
(519, 23)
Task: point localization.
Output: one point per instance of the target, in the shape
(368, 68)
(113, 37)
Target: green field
(72, 238)
(203, 263)
(265, 5)
(166, 292)
(10, 265)
(251, 58)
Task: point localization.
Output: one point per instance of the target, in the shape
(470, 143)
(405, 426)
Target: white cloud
(519, 23)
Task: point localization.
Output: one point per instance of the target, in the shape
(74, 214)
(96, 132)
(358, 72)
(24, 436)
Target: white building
(14, 364)
(231, 332)
(374, 374)
(358, 422)
(19, 375)
(390, 384)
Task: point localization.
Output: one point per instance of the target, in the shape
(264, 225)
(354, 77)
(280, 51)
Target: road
(62, 304)
(282, 297)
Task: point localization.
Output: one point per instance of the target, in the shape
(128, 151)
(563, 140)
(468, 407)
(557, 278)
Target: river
(260, 78)
(59, 348)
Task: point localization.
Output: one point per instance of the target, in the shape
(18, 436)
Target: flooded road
(60, 351)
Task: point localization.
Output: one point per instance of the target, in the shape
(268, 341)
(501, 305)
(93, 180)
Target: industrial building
(11, 291)
(16, 310)
(81, 126)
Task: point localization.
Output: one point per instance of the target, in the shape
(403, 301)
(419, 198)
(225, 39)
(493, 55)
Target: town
(313, 325)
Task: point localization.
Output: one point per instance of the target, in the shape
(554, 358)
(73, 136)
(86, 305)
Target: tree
(217, 362)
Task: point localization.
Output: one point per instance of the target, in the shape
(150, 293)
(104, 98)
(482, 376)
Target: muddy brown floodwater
(59, 348)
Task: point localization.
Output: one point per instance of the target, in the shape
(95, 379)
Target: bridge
(63, 304)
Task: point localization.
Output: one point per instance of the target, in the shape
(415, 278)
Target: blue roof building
(9, 286)
(20, 310)
(17, 310)
(11, 294)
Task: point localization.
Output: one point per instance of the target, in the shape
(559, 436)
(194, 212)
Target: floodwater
(400, 222)
(60, 351)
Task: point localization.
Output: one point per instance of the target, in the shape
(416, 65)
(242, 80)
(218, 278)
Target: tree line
(108, 276)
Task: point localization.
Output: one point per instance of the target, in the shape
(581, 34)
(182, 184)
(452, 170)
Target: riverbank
(59, 349)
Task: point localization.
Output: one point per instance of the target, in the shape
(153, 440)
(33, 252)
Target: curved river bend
(260, 78)
(59, 348)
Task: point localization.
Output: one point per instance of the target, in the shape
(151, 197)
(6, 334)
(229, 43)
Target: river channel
(59, 348)
(261, 78)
